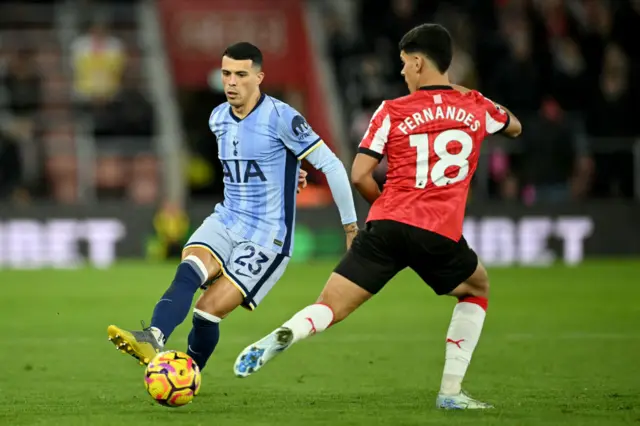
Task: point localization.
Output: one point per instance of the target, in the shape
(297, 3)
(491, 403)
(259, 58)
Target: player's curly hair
(433, 41)
(244, 50)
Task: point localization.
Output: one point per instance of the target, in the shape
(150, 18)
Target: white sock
(311, 320)
(462, 338)
(158, 335)
(206, 315)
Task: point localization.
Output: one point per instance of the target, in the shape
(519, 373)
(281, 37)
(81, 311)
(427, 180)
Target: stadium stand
(75, 116)
(570, 69)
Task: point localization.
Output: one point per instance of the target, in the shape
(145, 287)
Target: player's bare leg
(218, 301)
(339, 298)
(197, 267)
(462, 337)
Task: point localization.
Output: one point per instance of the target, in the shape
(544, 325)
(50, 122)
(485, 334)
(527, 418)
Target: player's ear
(418, 63)
(260, 75)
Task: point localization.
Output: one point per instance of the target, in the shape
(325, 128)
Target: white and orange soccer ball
(172, 379)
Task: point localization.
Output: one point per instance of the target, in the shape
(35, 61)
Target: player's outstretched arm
(304, 143)
(362, 177)
(326, 161)
(514, 127)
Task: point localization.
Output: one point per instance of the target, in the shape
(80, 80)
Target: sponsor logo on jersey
(300, 127)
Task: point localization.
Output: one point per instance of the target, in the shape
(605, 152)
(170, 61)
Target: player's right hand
(350, 237)
(350, 230)
(302, 180)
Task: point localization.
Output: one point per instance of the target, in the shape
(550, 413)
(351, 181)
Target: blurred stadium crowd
(568, 68)
(71, 78)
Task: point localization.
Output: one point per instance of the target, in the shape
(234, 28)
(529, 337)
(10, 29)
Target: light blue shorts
(253, 269)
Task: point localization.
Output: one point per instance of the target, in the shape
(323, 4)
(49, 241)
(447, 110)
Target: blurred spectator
(23, 84)
(124, 129)
(10, 168)
(611, 111)
(338, 43)
(360, 120)
(372, 79)
(626, 28)
(402, 18)
(569, 74)
(172, 230)
(120, 117)
(594, 19)
(98, 63)
(611, 115)
(462, 70)
(23, 87)
(515, 80)
(626, 33)
(129, 113)
(552, 169)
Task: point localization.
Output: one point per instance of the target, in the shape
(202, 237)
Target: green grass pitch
(560, 346)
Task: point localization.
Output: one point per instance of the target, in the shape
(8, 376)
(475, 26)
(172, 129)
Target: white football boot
(462, 401)
(256, 355)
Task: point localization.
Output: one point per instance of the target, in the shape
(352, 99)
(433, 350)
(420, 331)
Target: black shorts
(386, 247)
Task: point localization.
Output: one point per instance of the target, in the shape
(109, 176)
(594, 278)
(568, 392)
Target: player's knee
(210, 263)
(201, 304)
(479, 282)
(209, 307)
(467, 289)
(477, 285)
(220, 299)
(481, 288)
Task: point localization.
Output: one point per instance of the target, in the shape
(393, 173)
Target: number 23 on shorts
(445, 159)
(249, 261)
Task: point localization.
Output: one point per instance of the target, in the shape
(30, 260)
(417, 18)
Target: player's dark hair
(433, 41)
(242, 51)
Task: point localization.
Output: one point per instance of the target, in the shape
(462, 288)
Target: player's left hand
(302, 180)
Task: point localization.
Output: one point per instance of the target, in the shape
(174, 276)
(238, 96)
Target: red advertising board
(197, 32)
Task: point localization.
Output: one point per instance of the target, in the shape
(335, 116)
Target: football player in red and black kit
(432, 140)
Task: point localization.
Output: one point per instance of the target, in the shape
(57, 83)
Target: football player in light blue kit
(245, 245)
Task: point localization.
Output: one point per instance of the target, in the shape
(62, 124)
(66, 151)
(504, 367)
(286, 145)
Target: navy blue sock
(203, 339)
(175, 303)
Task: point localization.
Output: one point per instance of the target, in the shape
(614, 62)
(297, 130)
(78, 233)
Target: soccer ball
(172, 379)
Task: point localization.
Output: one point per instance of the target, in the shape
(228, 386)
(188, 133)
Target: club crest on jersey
(300, 126)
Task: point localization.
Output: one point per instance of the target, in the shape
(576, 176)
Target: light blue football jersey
(260, 156)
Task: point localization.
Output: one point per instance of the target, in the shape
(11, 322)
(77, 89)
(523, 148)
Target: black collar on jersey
(238, 119)
(436, 88)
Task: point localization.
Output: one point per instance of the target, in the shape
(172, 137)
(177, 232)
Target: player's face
(411, 66)
(240, 79)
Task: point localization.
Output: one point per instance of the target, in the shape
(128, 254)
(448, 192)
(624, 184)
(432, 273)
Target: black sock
(173, 307)
(203, 339)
